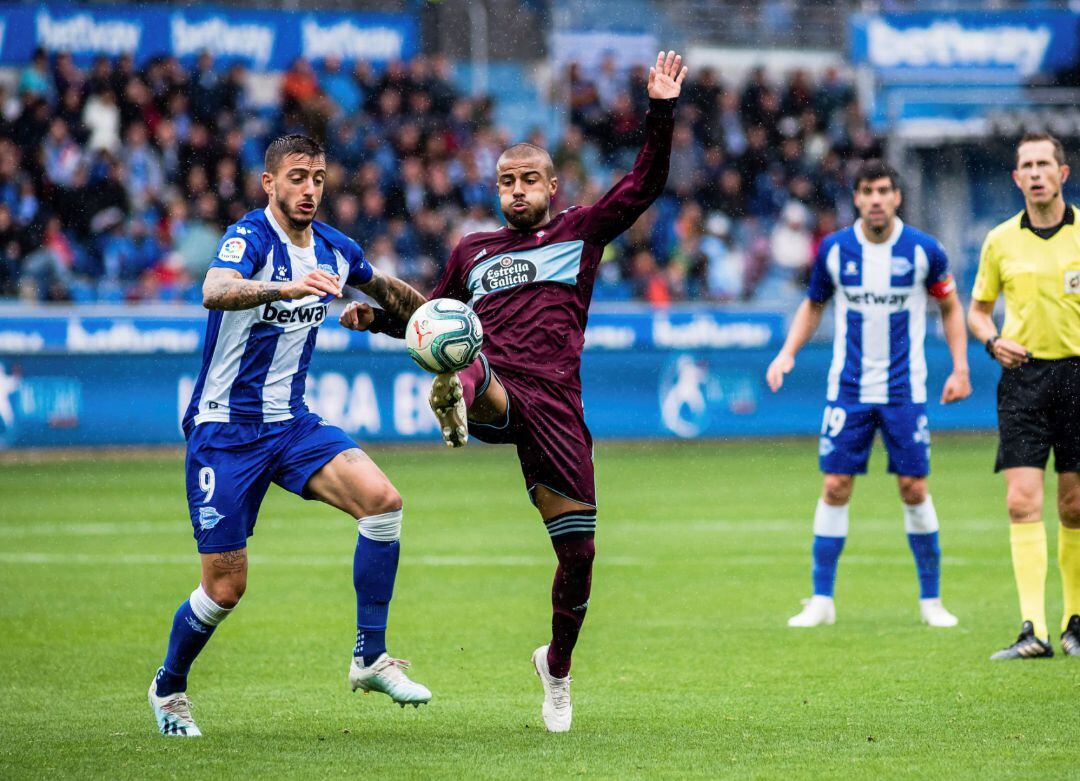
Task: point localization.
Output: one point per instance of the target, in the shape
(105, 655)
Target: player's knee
(1069, 510)
(384, 499)
(912, 490)
(1024, 503)
(837, 489)
(226, 592)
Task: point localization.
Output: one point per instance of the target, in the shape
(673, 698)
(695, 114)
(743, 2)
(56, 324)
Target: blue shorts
(847, 434)
(230, 467)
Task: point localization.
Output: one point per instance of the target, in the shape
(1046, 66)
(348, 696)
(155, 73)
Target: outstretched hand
(666, 77)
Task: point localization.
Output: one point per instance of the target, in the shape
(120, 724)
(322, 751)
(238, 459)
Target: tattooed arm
(227, 289)
(397, 298)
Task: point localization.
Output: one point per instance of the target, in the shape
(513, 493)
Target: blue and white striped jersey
(878, 355)
(255, 361)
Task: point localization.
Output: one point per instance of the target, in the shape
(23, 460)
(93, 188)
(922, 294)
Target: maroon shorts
(547, 424)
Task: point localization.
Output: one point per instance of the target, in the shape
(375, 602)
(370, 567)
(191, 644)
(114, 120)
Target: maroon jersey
(531, 289)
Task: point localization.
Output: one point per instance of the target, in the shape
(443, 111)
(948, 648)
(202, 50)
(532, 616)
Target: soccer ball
(444, 335)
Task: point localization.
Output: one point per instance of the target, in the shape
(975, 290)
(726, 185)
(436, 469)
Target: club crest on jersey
(1072, 282)
(901, 267)
(508, 272)
(851, 268)
(232, 250)
(209, 517)
(328, 269)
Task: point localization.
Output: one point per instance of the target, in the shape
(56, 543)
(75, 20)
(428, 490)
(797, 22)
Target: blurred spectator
(117, 180)
(791, 242)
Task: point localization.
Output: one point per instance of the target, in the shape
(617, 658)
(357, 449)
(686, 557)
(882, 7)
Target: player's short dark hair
(526, 150)
(294, 144)
(1059, 150)
(874, 169)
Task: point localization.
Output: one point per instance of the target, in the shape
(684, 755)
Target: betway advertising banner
(965, 47)
(262, 39)
(647, 375)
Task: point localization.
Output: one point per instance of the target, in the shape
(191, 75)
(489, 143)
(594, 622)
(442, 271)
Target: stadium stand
(116, 181)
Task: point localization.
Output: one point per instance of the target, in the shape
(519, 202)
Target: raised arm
(620, 207)
(227, 289)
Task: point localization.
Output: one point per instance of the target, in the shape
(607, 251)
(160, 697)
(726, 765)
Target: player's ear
(268, 182)
(553, 184)
(899, 196)
(1064, 173)
(1016, 178)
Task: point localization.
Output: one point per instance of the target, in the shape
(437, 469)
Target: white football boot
(817, 610)
(386, 675)
(557, 709)
(934, 613)
(172, 713)
(448, 404)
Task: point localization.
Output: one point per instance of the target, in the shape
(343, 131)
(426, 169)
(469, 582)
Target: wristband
(990, 346)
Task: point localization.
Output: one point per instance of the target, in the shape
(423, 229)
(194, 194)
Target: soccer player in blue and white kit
(268, 288)
(880, 272)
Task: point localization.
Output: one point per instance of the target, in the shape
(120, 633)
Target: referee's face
(877, 201)
(1038, 173)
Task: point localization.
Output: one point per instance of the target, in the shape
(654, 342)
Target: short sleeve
(360, 271)
(988, 279)
(452, 283)
(821, 286)
(939, 280)
(239, 250)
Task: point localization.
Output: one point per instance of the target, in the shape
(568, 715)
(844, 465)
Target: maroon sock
(474, 379)
(570, 591)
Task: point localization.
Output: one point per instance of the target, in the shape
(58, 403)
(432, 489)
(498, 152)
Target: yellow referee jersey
(1041, 281)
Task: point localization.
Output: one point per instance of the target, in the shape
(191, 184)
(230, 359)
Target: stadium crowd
(116, 181)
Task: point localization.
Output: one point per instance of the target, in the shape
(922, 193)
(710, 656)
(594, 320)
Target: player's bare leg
(572, 527)
(921, 526)
(354, 484)
(830, 533)
(224, 579)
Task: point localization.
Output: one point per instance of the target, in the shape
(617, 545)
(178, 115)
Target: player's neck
(879, 236)
(540, 224)
(1047, 215)
(298, 237)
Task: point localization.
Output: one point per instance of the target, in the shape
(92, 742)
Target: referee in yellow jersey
(1034, 259)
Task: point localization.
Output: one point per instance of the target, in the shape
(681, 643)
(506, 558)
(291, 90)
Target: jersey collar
(1069, 218)
(281, 234)
(898, 228)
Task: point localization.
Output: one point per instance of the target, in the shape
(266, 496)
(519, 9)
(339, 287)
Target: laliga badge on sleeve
(232, 251)
(1072, 282)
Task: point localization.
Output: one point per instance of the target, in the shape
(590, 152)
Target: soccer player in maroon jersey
(530, 283)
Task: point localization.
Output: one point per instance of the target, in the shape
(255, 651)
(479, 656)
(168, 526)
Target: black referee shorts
(1039, 409)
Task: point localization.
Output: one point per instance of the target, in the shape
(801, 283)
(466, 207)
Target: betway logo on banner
(263, 39)
(949, 44)
(222, 38)
(349, 41)
(82, 33)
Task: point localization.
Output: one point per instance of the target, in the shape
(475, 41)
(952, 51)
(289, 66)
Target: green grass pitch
(685, 667)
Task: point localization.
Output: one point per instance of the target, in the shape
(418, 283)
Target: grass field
(685, 667)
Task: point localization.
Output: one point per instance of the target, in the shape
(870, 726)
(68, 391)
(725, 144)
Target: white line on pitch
(115, 528)
(294, 561)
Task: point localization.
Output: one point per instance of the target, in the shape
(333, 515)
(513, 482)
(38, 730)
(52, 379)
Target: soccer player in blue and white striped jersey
(880, 274)
(268, 288)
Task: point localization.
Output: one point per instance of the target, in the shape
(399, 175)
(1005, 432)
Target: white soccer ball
(444, 335)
